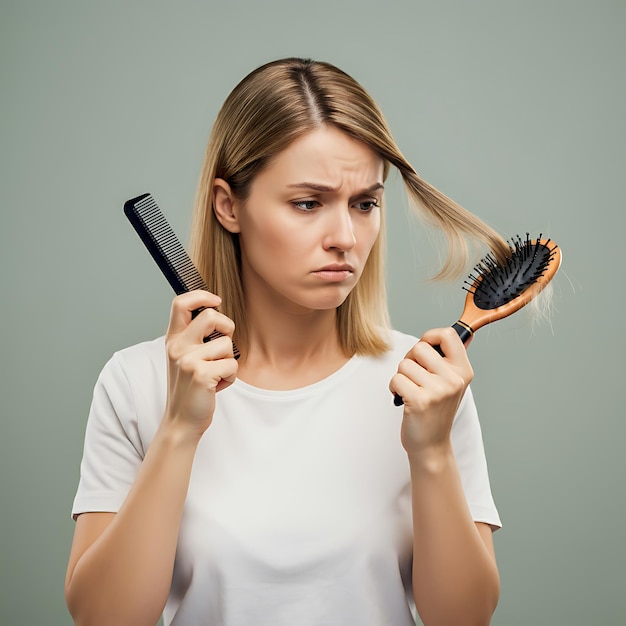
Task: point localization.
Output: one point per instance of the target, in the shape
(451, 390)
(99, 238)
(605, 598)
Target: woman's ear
(225, 206)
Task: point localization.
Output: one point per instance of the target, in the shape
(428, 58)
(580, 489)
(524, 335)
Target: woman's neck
(289, 350)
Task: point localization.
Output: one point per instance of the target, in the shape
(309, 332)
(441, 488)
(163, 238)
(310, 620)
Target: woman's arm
(455, 576)
(121, 564)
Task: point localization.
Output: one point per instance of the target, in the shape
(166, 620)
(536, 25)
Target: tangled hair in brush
(540, 308)
(271, 107)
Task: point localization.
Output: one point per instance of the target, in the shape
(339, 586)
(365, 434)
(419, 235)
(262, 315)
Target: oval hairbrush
(496, 290)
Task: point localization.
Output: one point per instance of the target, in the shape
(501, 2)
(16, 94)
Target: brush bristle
(494, 284)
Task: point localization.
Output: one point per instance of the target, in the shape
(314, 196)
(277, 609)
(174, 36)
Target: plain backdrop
(514, 109)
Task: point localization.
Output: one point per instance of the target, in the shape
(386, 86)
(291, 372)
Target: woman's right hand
(197, 370)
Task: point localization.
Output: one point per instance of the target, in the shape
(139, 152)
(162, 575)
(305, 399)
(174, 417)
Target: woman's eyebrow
(328, 188)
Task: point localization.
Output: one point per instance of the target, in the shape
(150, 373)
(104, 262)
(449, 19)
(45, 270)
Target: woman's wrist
(432, 460)
(179, 435)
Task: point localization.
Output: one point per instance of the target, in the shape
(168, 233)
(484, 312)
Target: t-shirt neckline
(330, 380)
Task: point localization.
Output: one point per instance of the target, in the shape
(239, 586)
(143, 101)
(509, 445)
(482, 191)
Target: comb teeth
(171, 256)
(165, 248)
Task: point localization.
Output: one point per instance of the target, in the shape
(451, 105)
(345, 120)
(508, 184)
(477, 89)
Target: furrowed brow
(329, 189)
(313, 186)
(374, 187)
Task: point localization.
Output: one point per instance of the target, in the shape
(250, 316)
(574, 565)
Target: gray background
(515, 109)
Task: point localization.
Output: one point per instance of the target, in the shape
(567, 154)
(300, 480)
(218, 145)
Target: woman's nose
(340, 231)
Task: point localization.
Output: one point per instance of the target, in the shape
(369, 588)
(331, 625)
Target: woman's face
(310, 221)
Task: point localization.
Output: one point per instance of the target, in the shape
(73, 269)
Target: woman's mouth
(334, 273)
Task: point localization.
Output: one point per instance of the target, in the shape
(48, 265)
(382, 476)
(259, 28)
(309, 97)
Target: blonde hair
(265, 112)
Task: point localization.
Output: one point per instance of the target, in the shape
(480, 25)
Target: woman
(286, 487)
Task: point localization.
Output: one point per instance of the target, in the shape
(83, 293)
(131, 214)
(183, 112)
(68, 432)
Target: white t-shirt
(299, 504)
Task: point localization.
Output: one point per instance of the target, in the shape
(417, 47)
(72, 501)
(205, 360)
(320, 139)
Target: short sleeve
(113, 451)
(469, 452)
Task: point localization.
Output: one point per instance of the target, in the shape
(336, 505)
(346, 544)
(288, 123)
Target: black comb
(166, 249)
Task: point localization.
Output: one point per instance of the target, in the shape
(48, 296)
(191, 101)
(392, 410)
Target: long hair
(271, 107)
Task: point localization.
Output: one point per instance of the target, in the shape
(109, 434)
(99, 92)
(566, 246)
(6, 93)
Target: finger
(405, 390)
(396, 387)
(432, 382)
(185, 304)
(206, 372)
(209, 323)
(456, 361)
(219, 348)
(448, 341)
(228, 373)
(411, 375)
(427, 357)
(415, 371)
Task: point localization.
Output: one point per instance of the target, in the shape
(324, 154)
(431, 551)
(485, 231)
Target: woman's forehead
(327, 158)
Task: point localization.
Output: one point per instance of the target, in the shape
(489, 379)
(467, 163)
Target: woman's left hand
(431, 387)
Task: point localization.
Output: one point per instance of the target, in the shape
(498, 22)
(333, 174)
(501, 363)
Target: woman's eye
(367, 205)
(306, 205)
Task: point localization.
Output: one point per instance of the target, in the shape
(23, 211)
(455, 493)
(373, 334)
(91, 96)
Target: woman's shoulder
(401, 342)
(152, 350)
(132, 386)
(142, 360)
(398, 344)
